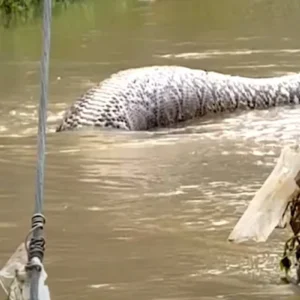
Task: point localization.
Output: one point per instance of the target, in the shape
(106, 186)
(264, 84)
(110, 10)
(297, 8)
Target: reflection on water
(147, 215)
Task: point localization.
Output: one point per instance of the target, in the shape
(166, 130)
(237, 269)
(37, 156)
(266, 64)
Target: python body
(161, 96)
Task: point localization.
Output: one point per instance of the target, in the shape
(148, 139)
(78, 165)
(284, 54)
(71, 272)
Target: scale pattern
(161, 96)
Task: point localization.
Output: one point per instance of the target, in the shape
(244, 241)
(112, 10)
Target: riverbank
(16, 11)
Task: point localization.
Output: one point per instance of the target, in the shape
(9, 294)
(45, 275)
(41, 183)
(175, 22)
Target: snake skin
(159, 96)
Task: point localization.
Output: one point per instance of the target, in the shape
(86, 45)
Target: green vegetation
(24, 10)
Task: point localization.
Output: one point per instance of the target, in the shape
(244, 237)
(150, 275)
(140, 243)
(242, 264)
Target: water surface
(147, 215)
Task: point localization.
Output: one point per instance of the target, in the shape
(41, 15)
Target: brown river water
(143, 216)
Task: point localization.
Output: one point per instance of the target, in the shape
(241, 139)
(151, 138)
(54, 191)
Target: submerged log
(269, 207)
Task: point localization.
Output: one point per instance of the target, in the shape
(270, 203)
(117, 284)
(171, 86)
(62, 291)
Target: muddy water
(147, 215)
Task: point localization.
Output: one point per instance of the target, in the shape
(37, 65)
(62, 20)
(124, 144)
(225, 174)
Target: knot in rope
(37, 242)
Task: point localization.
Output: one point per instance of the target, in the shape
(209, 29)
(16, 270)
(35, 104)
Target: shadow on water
(147, 215)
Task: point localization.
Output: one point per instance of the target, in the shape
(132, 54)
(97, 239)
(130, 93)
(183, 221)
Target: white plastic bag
(15, 280)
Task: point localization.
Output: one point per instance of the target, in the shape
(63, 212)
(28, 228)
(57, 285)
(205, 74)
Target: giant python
(160, 96)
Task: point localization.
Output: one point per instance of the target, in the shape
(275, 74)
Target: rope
(37, 243)
(43, 108)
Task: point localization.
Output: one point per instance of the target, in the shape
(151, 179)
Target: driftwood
(269, 207)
